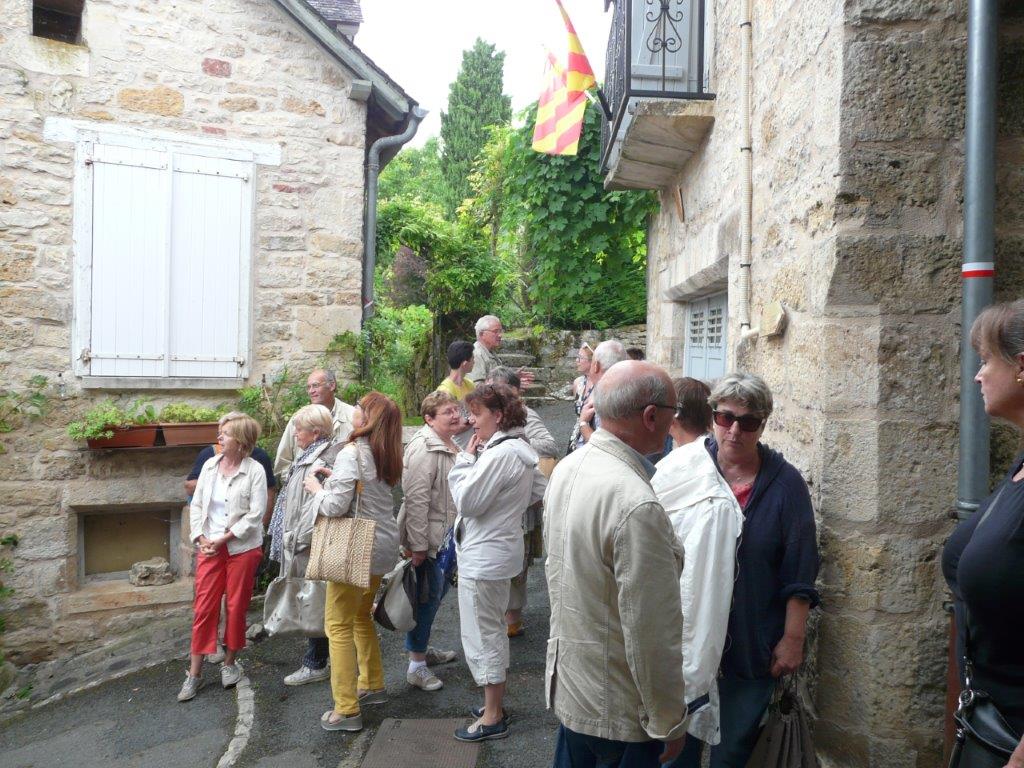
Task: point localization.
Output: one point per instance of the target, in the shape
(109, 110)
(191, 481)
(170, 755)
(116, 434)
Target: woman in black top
(983, 561)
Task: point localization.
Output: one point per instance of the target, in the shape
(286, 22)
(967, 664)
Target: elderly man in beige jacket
(614, 657)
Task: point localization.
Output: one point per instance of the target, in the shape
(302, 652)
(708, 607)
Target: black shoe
(482, 732)
(478, 712)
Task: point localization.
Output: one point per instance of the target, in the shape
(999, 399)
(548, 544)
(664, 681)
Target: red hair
(382, 427)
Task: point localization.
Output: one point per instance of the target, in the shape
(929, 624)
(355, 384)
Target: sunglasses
(748, 422)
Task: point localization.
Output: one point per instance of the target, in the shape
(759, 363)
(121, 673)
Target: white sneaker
(424, 679)
(437, 656)
(190, 687)
(230, 674)
(304, 675)
(217, 656)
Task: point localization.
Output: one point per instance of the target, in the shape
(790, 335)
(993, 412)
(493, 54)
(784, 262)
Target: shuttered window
(164, 288)
(706, 335)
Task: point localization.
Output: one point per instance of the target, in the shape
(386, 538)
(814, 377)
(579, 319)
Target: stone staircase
(517, 353)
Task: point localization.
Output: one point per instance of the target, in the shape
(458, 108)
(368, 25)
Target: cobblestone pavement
(135, 722)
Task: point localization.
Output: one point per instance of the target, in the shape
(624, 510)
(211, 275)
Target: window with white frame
(706, 334)
(163, 245)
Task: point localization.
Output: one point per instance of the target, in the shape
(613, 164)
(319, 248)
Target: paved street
(135, 722)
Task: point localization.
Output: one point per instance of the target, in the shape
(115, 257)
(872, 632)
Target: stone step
(517, 359)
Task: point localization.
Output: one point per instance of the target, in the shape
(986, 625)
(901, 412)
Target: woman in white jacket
(368, 467)
(707, 520)
(226, 526)
(491, 493)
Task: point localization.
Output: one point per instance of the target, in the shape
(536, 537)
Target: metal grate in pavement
(420, 743)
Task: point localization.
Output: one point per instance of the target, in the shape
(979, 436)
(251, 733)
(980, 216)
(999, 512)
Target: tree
(415, 173)
(475, 102)
(584, 249)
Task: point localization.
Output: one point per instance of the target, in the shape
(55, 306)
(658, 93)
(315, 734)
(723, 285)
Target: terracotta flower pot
(143, 436)
(197, 433)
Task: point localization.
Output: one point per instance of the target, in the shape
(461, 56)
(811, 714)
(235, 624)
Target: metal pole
(370, 236)
(978, 266)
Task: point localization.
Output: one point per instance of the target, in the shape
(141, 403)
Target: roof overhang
(386, 94)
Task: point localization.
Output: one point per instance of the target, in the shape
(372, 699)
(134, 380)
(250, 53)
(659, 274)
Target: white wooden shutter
(694, 351)
(717, 332)
(128, 283)
(209, 274)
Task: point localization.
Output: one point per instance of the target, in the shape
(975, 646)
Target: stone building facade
(246, 121)
(857, 122)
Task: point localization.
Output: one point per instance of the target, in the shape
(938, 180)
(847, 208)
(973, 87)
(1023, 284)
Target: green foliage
(7, 543)
(583, 248)
(414, 174)
(475, 101)
(459, 278)
(183, 413)
(272, 405)
(100, 420)
(17, 407)
(398, 341)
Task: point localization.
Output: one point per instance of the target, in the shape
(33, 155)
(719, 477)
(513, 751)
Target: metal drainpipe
(979, 235)
(370, 238)
(746, 167)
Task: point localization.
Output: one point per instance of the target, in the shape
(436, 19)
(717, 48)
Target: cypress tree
(475, 102)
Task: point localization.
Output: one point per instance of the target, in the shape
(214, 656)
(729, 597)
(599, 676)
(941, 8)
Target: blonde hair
(999, 330)
(314, 417)
(242, 427)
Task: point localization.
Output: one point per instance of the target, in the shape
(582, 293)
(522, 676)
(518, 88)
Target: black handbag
(983, 737)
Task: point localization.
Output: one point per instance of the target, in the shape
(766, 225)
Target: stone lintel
(659, 137)
(711, 279)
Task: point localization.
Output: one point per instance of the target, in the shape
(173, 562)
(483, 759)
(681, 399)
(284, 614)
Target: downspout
(746, 169)
(370, 238)
(979, 236)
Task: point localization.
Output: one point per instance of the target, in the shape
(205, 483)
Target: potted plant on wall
(105, 425)
(183, 424)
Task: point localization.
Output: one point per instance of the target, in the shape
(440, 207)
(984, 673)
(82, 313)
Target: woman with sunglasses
(776, 567)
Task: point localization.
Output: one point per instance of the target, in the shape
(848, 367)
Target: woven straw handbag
(342, 547)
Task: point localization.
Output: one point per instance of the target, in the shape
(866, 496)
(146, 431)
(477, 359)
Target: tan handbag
(342, 547)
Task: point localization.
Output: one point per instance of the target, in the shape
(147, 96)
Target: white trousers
(484, 635)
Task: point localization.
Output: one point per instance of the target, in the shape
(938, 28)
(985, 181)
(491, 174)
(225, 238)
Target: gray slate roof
(338, 11)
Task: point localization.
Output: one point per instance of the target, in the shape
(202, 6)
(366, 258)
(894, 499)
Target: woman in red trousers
(226, 519)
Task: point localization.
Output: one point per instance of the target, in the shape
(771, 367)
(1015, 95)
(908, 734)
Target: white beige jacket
(377, 503)
(428, 510)
(288, 449)
(491, 494)
(614, 659)
(708, 521)
(246, 503)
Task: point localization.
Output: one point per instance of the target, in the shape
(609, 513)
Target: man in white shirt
(321, 386)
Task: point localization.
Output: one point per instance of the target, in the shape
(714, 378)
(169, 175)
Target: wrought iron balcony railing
(655, 51)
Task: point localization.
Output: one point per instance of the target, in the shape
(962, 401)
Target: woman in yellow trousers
(369, 466)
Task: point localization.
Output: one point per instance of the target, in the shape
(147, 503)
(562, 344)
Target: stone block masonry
(231, 71)
(858, 113)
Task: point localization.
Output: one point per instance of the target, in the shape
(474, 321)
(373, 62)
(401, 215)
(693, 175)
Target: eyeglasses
(493, 330)
(748, 422)
(661, 405)
(316, 386)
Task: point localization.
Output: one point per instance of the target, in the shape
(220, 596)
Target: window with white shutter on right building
(706, 335)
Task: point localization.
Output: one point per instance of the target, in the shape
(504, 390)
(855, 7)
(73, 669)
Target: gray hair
(747, 389)
(329, 375)
(627, 399)
(314, 417)
(608, 353)
(483, 322)
(504, 375)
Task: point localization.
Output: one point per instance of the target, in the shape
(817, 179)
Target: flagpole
(604, 103)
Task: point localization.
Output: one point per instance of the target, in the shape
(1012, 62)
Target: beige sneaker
(437, 656)
(424, 679)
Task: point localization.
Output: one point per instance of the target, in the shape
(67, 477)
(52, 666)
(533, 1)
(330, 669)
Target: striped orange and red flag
(562, 105)
(559, 114)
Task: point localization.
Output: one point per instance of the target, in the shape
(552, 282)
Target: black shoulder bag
(983, 737)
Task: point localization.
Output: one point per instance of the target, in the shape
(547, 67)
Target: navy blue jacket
(777, 559)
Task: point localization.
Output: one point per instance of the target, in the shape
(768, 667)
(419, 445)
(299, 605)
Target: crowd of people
(681, 553)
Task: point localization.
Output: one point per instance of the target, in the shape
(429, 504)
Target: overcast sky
(420, 43)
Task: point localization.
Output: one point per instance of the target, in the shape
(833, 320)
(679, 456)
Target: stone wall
(858, 114)
(233, 70)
